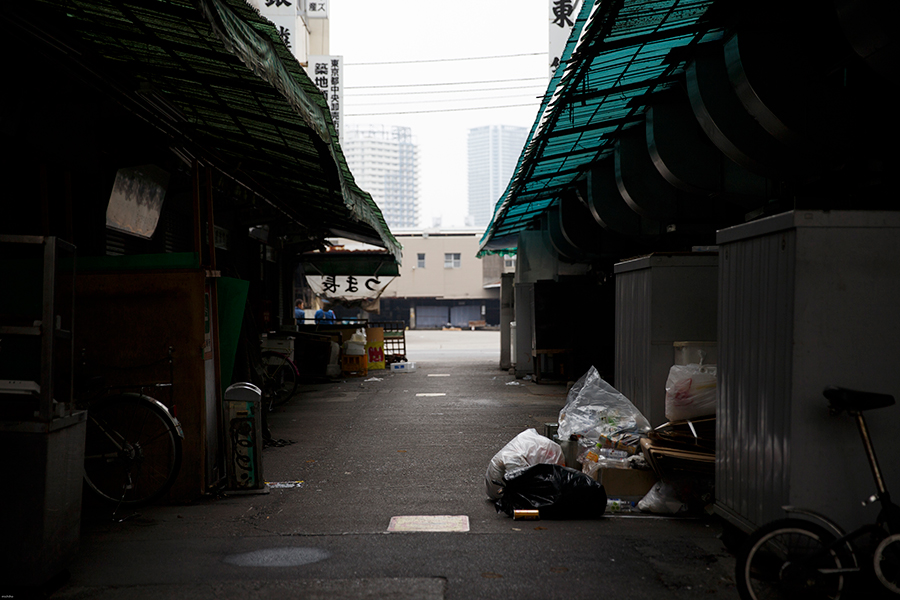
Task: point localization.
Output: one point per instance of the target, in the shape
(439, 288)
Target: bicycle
(810, 556)
(279, 377)
(133, 443)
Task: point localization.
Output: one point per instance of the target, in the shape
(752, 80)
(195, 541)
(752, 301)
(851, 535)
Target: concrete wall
(436, 280)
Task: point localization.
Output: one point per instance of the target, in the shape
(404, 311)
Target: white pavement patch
(430, 523)
(429, 395)
(439, 374)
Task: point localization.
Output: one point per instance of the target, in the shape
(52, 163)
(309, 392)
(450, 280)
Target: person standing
(299, 313)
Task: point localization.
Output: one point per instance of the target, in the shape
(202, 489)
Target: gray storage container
(807, 299)
(660, 299)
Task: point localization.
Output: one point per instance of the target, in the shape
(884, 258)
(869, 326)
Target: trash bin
(244, 439)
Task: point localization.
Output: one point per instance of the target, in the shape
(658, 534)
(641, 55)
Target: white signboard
(287, 29)
(562, 19)
(316, 9)
(348, 287)
(327, 73)
(278, 7)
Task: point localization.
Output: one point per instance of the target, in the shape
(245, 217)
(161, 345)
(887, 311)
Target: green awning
(359, 263)
(216, 77)
(619, 53)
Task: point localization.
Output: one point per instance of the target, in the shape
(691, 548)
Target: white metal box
(660, 299)
(807, 299)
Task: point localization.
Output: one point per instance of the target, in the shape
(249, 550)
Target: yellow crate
(356, 365)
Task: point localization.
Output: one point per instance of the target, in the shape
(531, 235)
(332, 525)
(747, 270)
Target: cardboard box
(403, 367)
(625, 484)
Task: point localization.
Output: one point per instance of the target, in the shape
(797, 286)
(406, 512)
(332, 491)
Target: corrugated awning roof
(350, 262)
(216, 76)
(619, 52)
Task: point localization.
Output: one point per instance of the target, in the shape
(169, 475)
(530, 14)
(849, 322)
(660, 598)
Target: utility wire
(433, 60)
(417, 101)
(416, 112)
(358, 87)
(512, 87)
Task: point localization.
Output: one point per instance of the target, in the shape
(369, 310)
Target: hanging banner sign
(348, 287)
(562, 19)
(326, 72)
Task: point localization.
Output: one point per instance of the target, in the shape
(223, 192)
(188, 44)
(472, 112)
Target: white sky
(365, 31)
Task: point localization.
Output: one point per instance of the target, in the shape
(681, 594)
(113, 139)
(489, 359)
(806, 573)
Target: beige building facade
(442, 282)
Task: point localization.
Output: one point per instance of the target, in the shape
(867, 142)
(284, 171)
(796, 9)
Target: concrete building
(384, 161)
(441, 281)
(493, 154)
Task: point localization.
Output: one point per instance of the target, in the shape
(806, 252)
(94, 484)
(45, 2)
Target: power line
(442, 100)
(358, 87)
(416, 112)
(512, 87)
(406, 62)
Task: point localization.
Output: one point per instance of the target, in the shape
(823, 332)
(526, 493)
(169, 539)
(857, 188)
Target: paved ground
(369, 449)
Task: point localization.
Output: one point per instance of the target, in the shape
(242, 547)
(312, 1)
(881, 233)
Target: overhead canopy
(618, 52)
(668, 119)
(217, 78)
(358, 262)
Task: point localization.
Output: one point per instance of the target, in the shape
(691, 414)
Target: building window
(509, 262)
(420, 260)
(452, 260)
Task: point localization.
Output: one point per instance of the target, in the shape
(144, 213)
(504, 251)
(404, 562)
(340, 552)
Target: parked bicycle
(133, 443)
(279, 375)
(810, 556)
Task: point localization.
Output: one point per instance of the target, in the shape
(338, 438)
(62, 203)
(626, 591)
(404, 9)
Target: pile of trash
(604, 456)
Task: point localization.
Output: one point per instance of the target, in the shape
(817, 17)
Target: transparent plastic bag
(663, 500)
(595, 409)
(526, 449)
(690, 392)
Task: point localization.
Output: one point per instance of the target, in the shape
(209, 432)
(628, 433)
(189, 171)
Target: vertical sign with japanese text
(283, 14)
(316, 9)
(327, 73)
(562, 19)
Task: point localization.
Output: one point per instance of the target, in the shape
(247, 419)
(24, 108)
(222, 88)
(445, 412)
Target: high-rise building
(384, 161)
(493, 153)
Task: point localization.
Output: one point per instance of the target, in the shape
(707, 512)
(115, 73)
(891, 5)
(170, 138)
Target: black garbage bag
(557, 492)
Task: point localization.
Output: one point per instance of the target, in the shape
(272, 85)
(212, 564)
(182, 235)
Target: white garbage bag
(526, 449)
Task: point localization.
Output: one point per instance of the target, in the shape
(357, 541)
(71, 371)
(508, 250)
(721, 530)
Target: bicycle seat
(843, 399)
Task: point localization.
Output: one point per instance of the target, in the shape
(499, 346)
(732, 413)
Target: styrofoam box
(403, 367)
(285, 346)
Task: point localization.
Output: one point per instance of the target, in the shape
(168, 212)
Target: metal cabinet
(660, 299)
(807, 299)
(41, 435)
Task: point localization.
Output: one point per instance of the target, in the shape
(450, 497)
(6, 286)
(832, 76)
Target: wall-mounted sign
(562, 19)
(317, 9)
(348, 287)
(327, 73)
(279, 7)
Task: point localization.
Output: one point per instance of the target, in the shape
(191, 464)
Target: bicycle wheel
(281, 378)
(887, 563)
(790, 559)
(132, 449)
